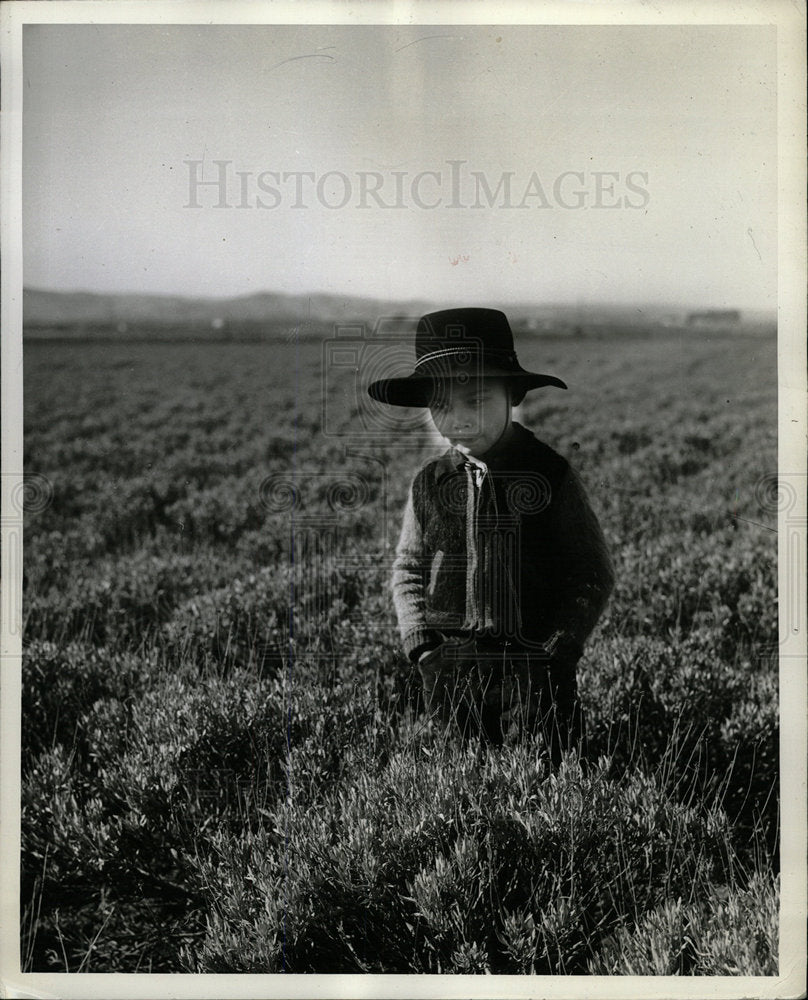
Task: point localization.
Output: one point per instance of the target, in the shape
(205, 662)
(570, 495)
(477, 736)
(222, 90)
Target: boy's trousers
(498, 690)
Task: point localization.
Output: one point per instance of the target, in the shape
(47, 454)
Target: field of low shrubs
(225, 764)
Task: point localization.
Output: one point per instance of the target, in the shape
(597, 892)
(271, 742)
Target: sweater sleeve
(408, 586)
(584, 566)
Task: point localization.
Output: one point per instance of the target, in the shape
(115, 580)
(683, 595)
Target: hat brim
(417, 390)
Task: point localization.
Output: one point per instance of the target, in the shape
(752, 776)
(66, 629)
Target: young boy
(501, 570)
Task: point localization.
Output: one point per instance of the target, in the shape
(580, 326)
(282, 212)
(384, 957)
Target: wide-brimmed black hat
(459, 344)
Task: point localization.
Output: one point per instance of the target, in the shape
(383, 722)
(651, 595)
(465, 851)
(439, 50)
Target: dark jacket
(515, 554)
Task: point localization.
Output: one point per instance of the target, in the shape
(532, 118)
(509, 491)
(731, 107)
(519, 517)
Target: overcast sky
(559, 164)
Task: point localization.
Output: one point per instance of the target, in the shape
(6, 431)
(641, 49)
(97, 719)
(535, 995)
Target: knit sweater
(508, 549)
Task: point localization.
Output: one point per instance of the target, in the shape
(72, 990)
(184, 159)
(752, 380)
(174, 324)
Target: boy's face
(472, 415)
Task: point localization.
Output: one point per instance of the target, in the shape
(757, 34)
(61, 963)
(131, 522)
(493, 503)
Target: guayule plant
(439, 863)
(225, 767)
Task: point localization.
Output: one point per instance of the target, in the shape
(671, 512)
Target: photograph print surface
(246, 587)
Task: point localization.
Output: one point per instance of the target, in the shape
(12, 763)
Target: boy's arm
(408, 587)
(584, 567)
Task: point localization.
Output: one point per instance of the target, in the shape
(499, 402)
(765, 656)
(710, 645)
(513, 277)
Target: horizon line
(512, 302)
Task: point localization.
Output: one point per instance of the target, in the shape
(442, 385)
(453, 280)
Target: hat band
(448, 352)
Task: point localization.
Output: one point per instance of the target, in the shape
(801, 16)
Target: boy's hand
(427, 652)
(430, 668)
(445, 671)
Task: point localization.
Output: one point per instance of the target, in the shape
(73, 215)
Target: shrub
(246, 622)
(121, 600)
(728, 933)
(61, 684)
(436, 864)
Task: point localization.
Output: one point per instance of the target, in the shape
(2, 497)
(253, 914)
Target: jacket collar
(508, 453)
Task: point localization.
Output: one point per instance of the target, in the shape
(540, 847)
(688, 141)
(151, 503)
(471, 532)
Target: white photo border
(790, 20)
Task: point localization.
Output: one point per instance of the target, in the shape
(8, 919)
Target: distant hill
(49, 313)
(89, 309)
